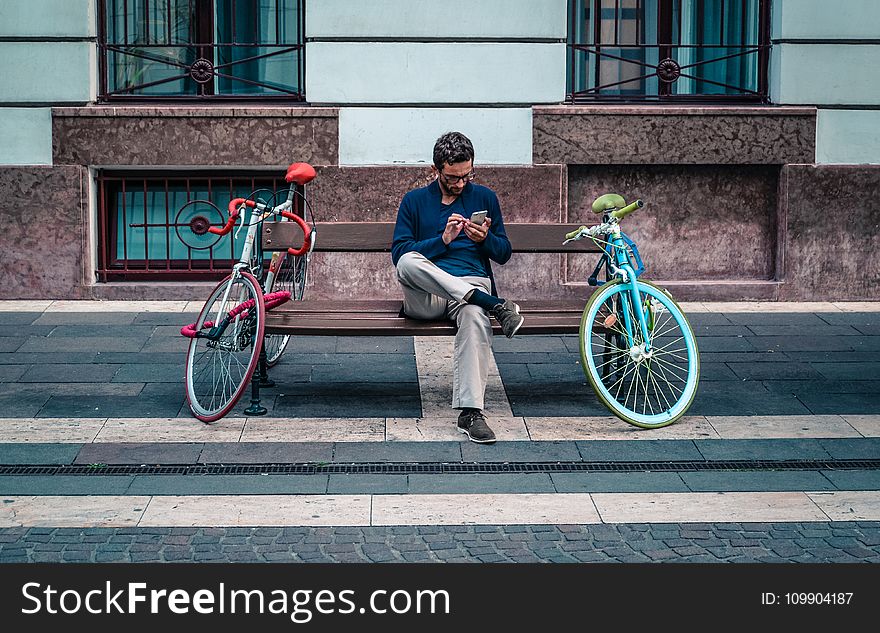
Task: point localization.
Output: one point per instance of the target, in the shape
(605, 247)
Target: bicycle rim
(218, 370)
(648, 391)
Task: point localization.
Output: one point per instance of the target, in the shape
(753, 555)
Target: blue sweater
(422, 218)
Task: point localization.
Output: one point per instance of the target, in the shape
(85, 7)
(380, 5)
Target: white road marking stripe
(441, 509)
(507, 428)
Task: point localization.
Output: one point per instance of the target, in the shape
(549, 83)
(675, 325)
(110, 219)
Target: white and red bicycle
(228, 341)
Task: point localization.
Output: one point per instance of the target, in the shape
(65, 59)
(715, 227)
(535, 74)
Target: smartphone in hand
(478, 217)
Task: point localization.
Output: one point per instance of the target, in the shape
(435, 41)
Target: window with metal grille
(668, 50)
(200, 49)
(145, 223)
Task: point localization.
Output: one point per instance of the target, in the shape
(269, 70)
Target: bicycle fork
(644, 322)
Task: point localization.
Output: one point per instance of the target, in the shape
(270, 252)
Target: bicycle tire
(219, 370)
(648, 392)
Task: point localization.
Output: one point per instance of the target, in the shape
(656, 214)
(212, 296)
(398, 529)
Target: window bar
(146, 21)
(278, 22)
(188, 247)
(721, 37)
(640, 20)
(146, 230)
(595, 16)
(124, 21)
(616, 21)
(124, 232)
(572, 69)
(205, 39)
(300, 39)
(168, 19)
(664, 40)
(764, 49)
(742, 23)
(102, 41)
(258, 17)
(700, 18)
(680, 11)
(167, 227)
(232, 19)
(104, 254)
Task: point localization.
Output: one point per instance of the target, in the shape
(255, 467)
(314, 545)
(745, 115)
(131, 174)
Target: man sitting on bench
(442, 260)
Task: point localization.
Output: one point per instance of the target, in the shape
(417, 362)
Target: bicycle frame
(247, 251)
(617, 263)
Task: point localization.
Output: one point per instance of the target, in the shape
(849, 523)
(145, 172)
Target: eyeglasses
(454, 180)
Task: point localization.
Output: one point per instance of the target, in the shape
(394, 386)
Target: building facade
(751, 129)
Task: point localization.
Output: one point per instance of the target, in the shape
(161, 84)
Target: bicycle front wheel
(224, 353)
(649, 384)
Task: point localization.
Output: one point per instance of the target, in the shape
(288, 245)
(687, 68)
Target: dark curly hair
(452, 147)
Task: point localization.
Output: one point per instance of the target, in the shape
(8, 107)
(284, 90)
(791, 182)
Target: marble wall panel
(699, 222)
(593, 135)
(832, 225)
(373, 193)
(203, 137)
(44, 241)
(526, 194)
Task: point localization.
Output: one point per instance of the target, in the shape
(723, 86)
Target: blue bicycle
(637, 348)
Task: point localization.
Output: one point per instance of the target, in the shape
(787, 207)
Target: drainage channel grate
(398, 468)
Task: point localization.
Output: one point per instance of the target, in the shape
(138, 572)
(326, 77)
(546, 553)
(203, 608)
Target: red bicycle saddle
(300, 173)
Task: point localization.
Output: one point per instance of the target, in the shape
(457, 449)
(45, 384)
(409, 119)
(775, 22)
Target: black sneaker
(508, 316)
(472, 423)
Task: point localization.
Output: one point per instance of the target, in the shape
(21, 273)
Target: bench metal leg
(259, 379)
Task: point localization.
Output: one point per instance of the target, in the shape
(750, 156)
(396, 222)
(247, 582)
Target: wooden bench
(381, 317)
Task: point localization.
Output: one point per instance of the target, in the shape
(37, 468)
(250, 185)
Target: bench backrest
(364, 237)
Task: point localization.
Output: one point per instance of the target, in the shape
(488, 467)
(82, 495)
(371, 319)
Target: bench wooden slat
(380, 318)
(392, 306)
(397, 326)
(375, 237)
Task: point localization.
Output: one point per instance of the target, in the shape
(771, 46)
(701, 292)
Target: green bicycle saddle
(608, 202)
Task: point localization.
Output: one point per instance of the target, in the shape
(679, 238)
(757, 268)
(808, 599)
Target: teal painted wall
(27, 136)
(47, 18)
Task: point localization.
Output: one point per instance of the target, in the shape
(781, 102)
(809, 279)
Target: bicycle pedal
(266, 382)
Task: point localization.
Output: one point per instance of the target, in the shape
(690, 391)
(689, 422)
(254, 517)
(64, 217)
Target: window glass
(662, 49)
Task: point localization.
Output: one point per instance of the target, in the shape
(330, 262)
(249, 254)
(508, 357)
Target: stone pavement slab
(483, 509)
(360, 483)
(865, 448)
(417, 452)
(263, 510)
(638, 450)
(707, 507)
(58, 511)
(139, 453)
(848, 505)
(775, 481)
(266, 453)
(73, 485)
(158, 485)
(57, 430)
(520, 452)
(854, 479)
(766, 426)
(618, 482)
(760, 449)
(480, 483)
(38, 453)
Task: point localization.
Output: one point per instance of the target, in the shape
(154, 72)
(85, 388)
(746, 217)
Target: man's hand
(453, 227)
(477, 232)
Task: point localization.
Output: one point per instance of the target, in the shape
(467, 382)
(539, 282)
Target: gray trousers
(431, 293)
